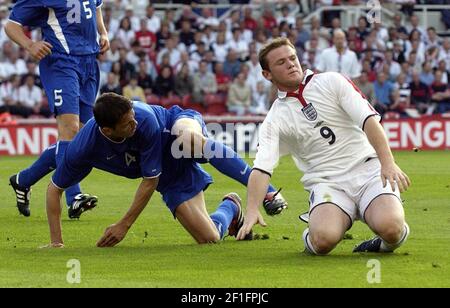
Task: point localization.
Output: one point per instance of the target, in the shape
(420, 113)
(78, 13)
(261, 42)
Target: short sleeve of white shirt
(270, 148)
(352, 100)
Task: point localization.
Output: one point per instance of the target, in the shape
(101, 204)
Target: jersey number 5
(87, 9)
(58, 98)
(327, 133)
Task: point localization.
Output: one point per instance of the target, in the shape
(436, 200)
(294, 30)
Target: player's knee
(68, 131)
(391, 231)
(324, 241)
(209, 239)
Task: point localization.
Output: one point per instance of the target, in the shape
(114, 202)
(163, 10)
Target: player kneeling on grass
(136, 140)
(336, 140)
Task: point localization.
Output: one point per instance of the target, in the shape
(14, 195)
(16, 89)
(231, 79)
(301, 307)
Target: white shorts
(354, 191)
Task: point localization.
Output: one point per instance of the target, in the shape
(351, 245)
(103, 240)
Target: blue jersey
(146, 154)
(70, 26)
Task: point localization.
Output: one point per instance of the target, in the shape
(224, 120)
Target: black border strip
(263, 171)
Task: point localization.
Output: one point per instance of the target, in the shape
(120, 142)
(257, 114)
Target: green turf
(168, 257)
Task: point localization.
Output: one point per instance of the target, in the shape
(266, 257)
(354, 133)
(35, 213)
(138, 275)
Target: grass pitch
(157, 252)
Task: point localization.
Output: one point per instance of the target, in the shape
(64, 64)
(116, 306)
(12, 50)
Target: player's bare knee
(68, 131)
(391, 231)
(209, 239)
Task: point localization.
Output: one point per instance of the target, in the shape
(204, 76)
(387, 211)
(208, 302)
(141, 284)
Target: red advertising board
(403, 134)
(427, 133)
(26, 139)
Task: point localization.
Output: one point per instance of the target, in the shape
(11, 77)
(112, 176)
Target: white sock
(385, 247)
(308, 245)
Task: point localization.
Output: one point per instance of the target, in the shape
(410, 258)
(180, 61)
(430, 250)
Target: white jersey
(321, 126)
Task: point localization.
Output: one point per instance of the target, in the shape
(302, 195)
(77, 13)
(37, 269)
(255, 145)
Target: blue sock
(40, 168)
(74, 190)
(223, 216)
(228, 162)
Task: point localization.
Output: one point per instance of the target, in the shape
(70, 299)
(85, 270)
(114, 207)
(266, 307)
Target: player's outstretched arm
(104, 40)
(258, 184)
(115, 233)
(54, 215)
(390, 172)
(38, 50)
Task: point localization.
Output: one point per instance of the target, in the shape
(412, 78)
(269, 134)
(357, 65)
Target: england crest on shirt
(310, 112)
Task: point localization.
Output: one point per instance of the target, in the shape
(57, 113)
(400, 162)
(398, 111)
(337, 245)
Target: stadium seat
(153, 99)
(185, 100)
(214, 99)
(217, 109)
(196, 107)
(168, 102)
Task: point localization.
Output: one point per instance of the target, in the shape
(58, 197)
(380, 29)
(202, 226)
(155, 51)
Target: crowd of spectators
(192, 58)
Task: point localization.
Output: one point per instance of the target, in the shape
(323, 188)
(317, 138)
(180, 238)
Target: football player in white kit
(336, 139)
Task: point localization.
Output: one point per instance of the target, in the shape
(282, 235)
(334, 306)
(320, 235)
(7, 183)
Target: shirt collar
(307, 73)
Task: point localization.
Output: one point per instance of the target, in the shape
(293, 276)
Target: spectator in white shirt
(134, 20)
(126, 34)
(339, 58)
(220, 47)
(444, 53)
(14, 65)
(172, 51)
(394, 68)
(30, 96)
(111, 23)
(3, 20)
(239, 96)
(415, 26)
(113, 54)
(290, 20)
(238, 44)
(207, 19)
(432, 38)
(154, 22)
(260, 99)
(186, 61)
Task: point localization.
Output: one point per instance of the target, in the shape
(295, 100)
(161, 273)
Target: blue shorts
(177, 113)
(71, 84)
(186, 185)
(183, 178)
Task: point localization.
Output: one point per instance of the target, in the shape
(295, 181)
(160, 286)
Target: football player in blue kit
(163, 147)
(73, 33)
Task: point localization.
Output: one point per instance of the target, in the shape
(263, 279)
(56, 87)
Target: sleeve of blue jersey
(151, 148)
(99, 3)
(28, 13)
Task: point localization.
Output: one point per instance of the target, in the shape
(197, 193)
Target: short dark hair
(110, 108)
(274, 44)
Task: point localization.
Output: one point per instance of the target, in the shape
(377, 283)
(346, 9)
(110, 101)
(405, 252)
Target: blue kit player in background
(73, 33)
(163, 147)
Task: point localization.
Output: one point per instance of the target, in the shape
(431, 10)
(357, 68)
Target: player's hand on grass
(251, 218)
(39, 50)
(113, 235)
(104, 43)
(391, 174)
(52, 245)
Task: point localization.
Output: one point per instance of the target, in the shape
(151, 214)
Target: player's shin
(40, 168)
(223, 216)
(74, 190)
